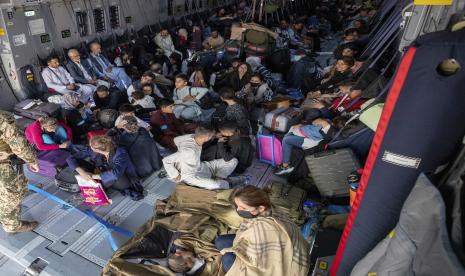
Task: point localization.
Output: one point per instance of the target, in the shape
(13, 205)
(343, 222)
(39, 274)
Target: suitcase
(34, 109)
(329, 171)
(277, 102)
(269, 150)
(50, 162)
(66, 180)
(281, 119)
(94, 133)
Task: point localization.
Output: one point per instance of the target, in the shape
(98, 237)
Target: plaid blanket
(270, 246)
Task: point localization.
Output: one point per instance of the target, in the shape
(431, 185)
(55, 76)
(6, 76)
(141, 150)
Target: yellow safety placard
(323, 265)
(433, 2)
(2, 32)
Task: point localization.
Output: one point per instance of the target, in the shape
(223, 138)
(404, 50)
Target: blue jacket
(312, 132)
(119, 164)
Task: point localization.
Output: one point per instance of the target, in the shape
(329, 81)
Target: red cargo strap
(374, 151)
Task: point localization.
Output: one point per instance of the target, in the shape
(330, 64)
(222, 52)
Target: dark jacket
(120, 165)
(332, 84)
(239, 147)
(238, 113)
(113, 101)
(166, 126)
(299, 71)
(142, 150)
(76, 72)
(232, 80)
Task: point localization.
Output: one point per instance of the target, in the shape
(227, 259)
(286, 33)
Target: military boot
(24, 226)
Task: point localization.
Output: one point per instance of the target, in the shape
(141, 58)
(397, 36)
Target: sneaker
(24, 226)
(284, 170)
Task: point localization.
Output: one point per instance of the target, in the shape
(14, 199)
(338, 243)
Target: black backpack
(65, 180)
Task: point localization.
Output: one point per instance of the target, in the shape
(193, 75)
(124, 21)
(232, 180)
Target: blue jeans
(288, 143)
(222, 242)
(59, 137)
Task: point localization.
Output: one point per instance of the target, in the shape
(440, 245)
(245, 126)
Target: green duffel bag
(271, 8)
(288, 200)
(257, 37)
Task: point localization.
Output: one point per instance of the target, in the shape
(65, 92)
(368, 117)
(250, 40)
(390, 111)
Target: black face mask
(255, 85)
(246, 214)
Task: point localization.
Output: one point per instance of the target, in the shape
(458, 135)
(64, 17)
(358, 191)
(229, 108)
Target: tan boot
(24, 226)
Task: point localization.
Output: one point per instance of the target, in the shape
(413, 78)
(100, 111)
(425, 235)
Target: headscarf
(71, 101)
(254, 62)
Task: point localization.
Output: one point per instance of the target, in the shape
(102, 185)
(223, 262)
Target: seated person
(147, 89)
(107, 162)
(238, 78)
(192, 256)
(165, 126)
(59, 80)
(256, 91)
(340, 72)
(199, 78)
(257, 67)
(186, 99)
(346, 100)
(215, 41)
(157, 70)
(175, 66)
(106, 99)
(139, 98)
(235, 112)
(139, 144)
(47, 133)
(302, 74)
(130, 110)
(240, 250)
(230, 143)
(78, 116)
(146, 78)
(185, 165)
(305, 137)
(82, 72)
(105, 69)
(164, 42)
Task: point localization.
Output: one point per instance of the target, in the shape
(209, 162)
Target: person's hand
(71, 86)
(84, 174)
(34, 167)
(177, 179)
(109, 69)
(222, 139)
(96, 177)
(121, 124)
(320, 122)
(93, 82)
(110, 80)
(65, 145)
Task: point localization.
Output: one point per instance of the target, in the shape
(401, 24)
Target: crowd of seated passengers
(201, 156)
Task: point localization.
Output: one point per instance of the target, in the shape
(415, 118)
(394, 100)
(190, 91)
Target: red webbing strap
(374, 151)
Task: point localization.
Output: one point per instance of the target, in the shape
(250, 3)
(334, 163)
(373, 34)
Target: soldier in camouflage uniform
(13, 184)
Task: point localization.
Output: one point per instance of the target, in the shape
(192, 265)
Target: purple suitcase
(50, 161)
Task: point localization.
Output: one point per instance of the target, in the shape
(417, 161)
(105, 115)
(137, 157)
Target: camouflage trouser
(13, 189)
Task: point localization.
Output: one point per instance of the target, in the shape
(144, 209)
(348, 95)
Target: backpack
(288, 201)
(107, 118)
(65, 180)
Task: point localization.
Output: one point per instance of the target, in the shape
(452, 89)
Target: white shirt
(57, 79)
(186, 161)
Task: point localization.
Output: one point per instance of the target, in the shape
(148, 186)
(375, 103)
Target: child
(130, 110)
(143, 100)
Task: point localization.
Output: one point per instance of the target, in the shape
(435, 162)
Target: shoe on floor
(284, 170)
(25, 226)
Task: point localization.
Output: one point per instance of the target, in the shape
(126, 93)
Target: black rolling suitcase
(329, 170)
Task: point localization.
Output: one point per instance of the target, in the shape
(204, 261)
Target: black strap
(56, 75)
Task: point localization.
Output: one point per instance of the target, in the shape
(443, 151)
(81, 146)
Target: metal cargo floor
(74, 244)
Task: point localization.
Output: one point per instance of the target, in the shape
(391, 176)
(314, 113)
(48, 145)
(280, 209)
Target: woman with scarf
(139, 144)
(238, 78)
(266, 243)
(253, 94)
(103, 160)
(77, 116)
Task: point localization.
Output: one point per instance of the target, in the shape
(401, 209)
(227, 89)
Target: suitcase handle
(324, 153)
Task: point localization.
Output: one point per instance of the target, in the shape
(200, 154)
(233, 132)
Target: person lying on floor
(47, 133)
(230, 143)
(248, 252)
(139, 144)
(166, 127)
(192, 256)
(306, 137)
(105, 161)
(185, 164)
